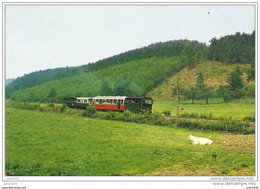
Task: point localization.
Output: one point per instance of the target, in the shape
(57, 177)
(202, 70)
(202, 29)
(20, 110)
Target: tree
(200, 79)
(192, 93)
(203, 92)
(225, 93)
(207, 92)
(122, 87)
(52, 95)
(251, 71)
(236, 83)
(105, 89)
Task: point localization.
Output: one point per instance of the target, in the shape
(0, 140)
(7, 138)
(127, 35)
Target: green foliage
(89, 112)
(129, 116)
(139, 81)
(52, 95)
(63, 108)
(167, 112)
(225, 92)
(251, 71)
(106, 89)
(122, 87)
(249, 118)
(197, 115)
(200, 79)
(237, 127)
(235, 81)
(249, 90)
(199, 91)
(158, 50)
(238, 48)
(234, 88)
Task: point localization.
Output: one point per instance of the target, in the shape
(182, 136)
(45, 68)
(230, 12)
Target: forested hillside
(9, 81)
(134, 78)
(132, 73)
(189, 51)
(238, 48)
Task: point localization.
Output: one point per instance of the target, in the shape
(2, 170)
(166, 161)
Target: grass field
(47, 143)
(237, 109)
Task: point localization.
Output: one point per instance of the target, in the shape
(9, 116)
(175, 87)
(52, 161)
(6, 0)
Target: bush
(89, 112)
(249, 90)
(249, 118)
(63, 108)
(225, 92)
(231, 126)
(51, 105)
(167, 113)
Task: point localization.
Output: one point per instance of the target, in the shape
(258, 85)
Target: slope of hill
(214, 73)
(142, 75)
(158, 50)
(136, 72)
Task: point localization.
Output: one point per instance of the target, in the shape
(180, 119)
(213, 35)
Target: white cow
(200, 140)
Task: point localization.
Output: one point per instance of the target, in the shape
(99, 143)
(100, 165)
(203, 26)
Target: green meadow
(47, 143)
(236, 109)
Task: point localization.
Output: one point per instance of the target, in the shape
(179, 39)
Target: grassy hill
(214, 73)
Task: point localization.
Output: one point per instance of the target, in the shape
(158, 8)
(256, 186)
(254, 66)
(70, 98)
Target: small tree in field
(236, 83)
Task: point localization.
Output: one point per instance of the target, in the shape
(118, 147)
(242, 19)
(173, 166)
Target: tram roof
(83, 98)
(110, 97)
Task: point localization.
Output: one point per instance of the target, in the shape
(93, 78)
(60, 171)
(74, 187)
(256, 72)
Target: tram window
(85, 101)
(78, 100)
(148, 101)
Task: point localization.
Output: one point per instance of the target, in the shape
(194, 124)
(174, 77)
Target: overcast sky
(42, 37)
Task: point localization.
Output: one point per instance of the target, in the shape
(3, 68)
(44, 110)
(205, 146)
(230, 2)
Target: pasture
(236, 109)
(47, 143)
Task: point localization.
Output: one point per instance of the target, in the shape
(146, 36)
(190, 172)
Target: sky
(42, 37)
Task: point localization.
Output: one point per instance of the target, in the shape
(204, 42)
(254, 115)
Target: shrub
(63, 108)
(89, 112)
(249, 118)
(231, 126)
(51, 105)
(249, 90)
(166, 112)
